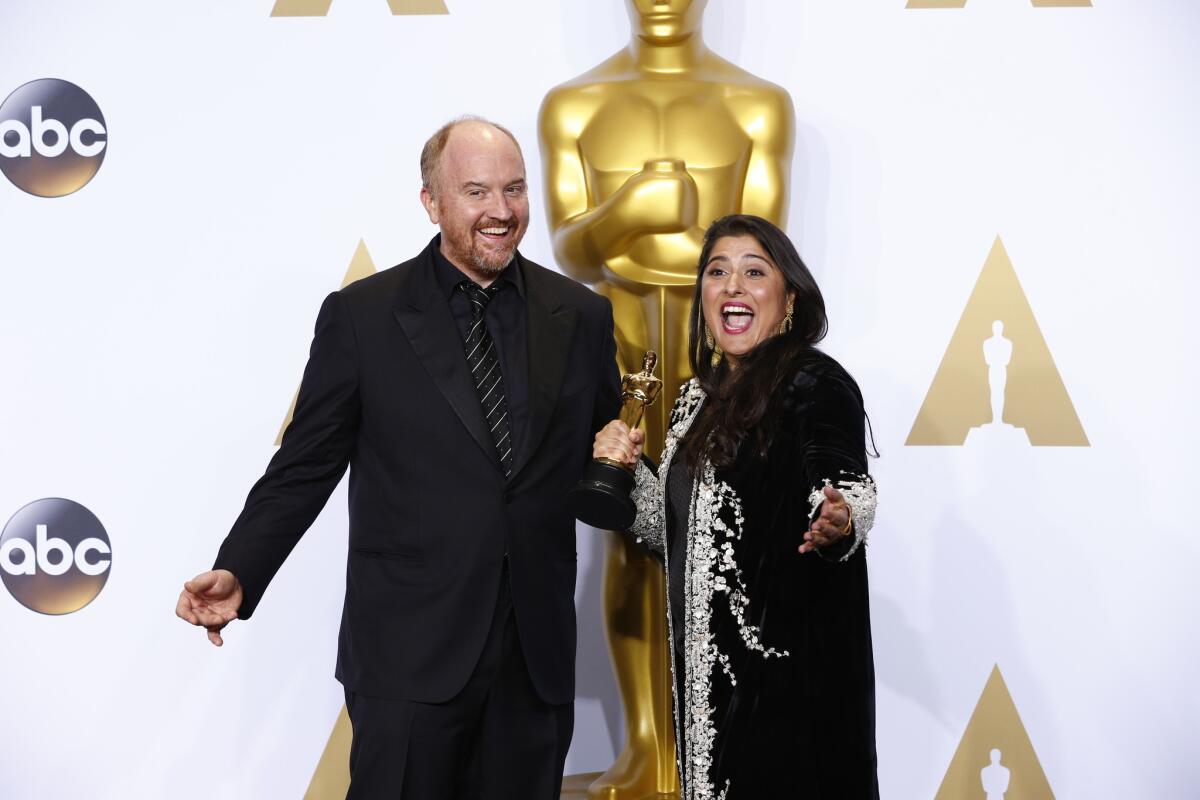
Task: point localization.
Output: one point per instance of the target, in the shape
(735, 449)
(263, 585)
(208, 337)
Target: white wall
(154, 326)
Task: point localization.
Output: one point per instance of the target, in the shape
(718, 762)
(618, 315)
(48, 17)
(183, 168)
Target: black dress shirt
(505, 321)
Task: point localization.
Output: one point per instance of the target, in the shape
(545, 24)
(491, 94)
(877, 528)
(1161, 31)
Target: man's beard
(495, 265)
(487, 262)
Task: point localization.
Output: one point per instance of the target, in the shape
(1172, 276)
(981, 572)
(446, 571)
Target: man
(463, 389)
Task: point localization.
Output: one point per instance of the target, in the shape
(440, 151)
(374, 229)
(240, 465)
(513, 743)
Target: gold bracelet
(849, 520)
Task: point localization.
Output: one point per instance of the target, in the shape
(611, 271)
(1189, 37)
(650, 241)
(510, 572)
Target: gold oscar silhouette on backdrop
(640, 154)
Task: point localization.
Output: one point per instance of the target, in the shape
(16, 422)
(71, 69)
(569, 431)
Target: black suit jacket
(387, 392)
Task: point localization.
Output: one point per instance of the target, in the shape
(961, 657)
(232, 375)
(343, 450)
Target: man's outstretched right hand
(210, 600)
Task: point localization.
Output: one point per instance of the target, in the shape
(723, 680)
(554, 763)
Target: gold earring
(786, 325)
(712, 345)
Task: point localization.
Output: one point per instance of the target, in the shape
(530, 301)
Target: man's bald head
(471, 126)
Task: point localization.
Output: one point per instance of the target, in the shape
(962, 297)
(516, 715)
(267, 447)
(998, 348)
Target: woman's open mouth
(736, 318)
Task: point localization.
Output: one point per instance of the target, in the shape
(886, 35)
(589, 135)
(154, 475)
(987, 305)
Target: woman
(760, 508)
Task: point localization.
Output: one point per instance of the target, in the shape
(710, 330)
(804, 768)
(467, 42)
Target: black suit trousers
(495, 740)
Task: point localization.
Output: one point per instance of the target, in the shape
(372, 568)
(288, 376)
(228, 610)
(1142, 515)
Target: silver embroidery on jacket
(648, 494)
(649, 525)
(723, 497)
(715, 523)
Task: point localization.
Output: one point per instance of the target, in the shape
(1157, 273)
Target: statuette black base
(601, 499)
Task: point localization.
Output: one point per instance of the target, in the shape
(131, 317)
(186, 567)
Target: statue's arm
(770, 120)
(571, 223)
(586, 236)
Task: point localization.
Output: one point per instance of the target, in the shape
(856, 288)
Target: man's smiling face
(479, 199)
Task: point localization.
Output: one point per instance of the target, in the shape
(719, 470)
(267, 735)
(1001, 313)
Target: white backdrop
(154, 326)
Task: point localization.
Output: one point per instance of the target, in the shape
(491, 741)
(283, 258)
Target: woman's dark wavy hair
(738, 399)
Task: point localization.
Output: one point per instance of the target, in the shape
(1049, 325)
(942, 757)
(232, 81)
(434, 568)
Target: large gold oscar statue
(640, 154)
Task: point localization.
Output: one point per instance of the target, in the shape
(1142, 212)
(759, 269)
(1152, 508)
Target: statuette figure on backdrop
(994, 778)
(997, 352)
(640, 154)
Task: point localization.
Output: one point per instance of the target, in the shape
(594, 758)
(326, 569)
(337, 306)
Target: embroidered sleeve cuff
(859, 491)
(647, 496)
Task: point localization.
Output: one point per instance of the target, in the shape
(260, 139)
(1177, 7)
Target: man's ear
(431, 204)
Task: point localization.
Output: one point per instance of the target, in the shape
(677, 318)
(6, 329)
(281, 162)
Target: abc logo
(54, 556)
(52, 138)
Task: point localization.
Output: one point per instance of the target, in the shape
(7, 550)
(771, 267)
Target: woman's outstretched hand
(832, 525)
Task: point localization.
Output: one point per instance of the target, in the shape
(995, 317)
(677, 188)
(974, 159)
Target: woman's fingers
(617, 442)
(834, 510)
(616, 451)
(616, 428)
(836, 517)
(822, 534)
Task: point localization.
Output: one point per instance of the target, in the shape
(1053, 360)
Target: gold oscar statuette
(601, 498)
(640, 154)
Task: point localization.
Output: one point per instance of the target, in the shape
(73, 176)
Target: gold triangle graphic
(995, 757)
(936, 4)
(331, 779)
(301, 8)
(403, 7)
(361, 266)
(320, 8)
(960, 399)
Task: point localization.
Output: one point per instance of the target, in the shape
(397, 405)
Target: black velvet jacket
(774, 676)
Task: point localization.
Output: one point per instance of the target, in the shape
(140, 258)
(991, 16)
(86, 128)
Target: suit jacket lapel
(427, 322)
(549, 329)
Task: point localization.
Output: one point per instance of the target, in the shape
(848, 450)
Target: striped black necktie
(485, 370)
